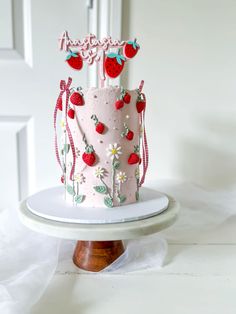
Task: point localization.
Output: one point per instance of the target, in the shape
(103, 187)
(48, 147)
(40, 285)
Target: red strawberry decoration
(119, 104)
(127, 98)
(100, 127)
(89, 156)
(130, 135)
(134, 157)
(127, 133)
(77, 99)
(62, 179)
(74, 60)
(59, 104)
(130, 49)
(114, 64)
(141, 102)
(71, 113)
(140, 105)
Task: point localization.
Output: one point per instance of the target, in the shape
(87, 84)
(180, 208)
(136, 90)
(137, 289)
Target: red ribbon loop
(65, 88)
(145, 153)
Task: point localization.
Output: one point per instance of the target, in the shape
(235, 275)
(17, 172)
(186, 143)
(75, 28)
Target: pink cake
(100, 133)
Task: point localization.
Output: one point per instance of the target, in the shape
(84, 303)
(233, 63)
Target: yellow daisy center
(114, 151)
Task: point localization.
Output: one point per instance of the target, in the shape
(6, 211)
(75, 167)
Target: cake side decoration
(102, 136)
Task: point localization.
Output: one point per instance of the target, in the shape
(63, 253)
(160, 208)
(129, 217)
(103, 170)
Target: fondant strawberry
(77, 98)
(119, 104)
(127, 98)
(89, 156)
(127, 133)
(71, 113)
(130, 49)
(141, 102)
(74, 60)
(130, 135)
(59, 104)
(134, 157)
(140, 105)
(100, 127)
(114, 64)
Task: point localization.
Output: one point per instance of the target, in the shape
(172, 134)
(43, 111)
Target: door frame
(104, 18)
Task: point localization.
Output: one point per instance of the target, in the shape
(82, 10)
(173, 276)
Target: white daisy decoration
(114, 151)
(121, 177)
(99, 172)
(63, 124)
(79, 177)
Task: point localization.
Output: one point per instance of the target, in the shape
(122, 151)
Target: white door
(31, 67)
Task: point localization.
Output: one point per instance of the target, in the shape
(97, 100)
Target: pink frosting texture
(102, 184)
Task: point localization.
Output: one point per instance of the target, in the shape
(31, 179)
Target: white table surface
(199, 275)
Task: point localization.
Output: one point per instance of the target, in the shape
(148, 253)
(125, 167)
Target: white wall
(188, 62)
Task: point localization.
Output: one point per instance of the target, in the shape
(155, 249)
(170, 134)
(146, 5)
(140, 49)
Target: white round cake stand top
(51, 204)
(100, 232)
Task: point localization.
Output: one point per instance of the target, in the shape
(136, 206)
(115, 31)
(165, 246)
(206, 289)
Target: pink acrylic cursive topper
(91, 49)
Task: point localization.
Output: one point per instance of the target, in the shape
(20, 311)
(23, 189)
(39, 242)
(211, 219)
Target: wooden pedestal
(96, 255)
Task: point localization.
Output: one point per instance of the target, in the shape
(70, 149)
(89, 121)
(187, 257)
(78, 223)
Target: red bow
(65, 88)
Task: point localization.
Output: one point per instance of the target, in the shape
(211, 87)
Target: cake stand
(100, 231)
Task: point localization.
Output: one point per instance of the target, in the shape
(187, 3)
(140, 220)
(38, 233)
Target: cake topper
(90, 50)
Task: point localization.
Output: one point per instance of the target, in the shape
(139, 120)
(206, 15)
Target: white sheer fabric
(28, 260)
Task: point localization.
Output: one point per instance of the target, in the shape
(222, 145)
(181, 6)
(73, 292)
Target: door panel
(30, 73)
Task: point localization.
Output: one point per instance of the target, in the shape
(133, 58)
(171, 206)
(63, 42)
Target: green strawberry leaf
(136, 148)
(66, 148)
(89, 149)
(119, 60)
(112, 55)
(71, 54)
(102, 189)
(122, 198)
(135, 45)
(79, 199)
(70, 190)
(137, 195)
(108, 201)
(116, 164)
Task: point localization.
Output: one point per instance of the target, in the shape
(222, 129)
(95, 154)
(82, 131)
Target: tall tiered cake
(100, 132)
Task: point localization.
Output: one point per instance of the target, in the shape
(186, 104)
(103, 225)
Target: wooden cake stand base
(97, 255)
(99, 244)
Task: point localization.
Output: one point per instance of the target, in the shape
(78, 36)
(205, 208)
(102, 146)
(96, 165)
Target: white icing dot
(127, 117)
(114, 128)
